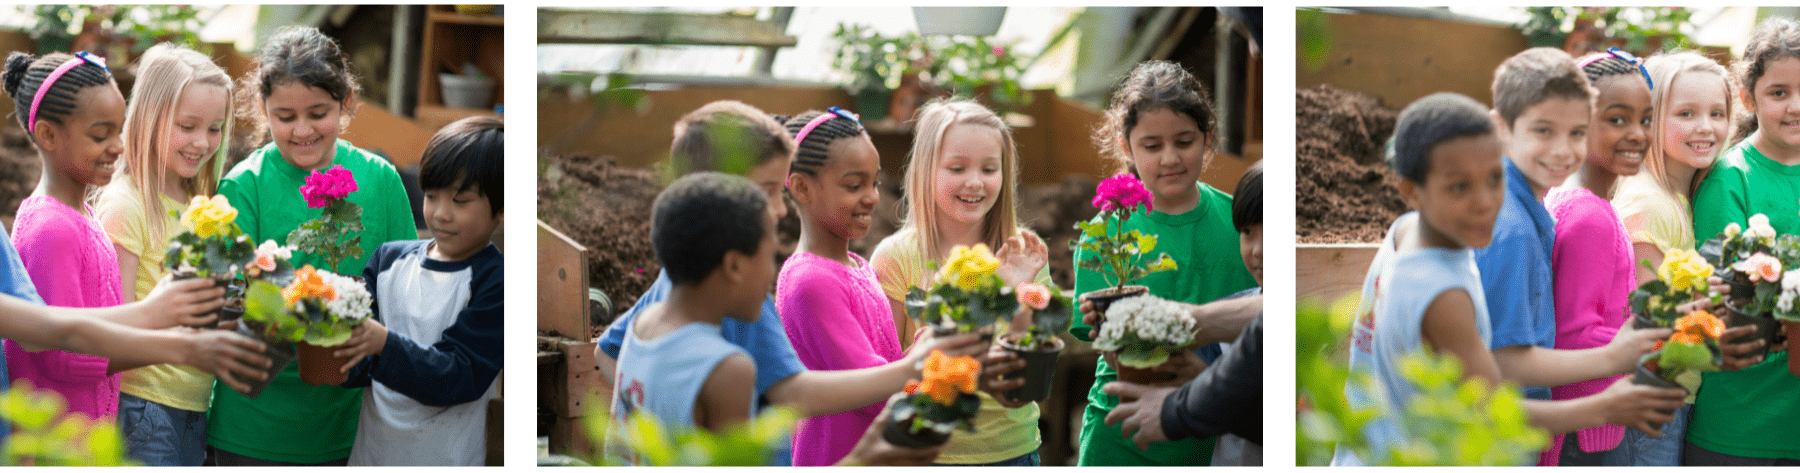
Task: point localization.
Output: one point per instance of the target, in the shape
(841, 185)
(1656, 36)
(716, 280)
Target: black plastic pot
(1039, 371)
(1640, 322)
(1742, 290)
(1104, 299)
(280, 353)
(1767, 329)
(899, 432)
(1645, 377)
(217, 282)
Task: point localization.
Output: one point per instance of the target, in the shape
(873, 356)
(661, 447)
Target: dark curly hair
(297, 54)
(701, 216)
(25, 74)
(1775, 38)
(1153, 85)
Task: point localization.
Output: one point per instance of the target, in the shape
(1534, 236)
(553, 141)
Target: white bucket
(978, 21)
(462, 91)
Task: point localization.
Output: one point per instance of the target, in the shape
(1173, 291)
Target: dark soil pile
(1346, 193)
(19, 168)
(1051, 211)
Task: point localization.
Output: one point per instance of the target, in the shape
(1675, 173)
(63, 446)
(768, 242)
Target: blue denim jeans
(1029, 459)
(159, 435)
(1640, 449)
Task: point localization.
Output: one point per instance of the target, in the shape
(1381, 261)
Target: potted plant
(1144, 331)
(941, 401)
(317, 310)
(1680, 279)
(212, 246)
(336, 234)
(1693, 349)
(270, 262)
(1119, 256)
(1757, 259)
(1051, 313)
(966, 297)
(874, 63)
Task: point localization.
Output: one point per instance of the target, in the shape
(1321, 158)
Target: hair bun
(17, 64)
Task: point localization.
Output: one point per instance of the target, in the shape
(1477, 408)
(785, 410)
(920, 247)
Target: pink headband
(50, 81)
(821, 119)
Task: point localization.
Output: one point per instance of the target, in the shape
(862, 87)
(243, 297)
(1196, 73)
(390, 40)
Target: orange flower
(1700, 323)
(307, 283)
(946, 377)
(1687, 337)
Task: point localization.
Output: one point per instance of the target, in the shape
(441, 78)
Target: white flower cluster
(1790, 289)
(353, 300)
(1759, 228)
(1146, 319)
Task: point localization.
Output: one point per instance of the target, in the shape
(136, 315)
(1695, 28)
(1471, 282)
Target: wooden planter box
(1327, 272)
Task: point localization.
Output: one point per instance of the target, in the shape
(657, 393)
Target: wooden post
(562, 285)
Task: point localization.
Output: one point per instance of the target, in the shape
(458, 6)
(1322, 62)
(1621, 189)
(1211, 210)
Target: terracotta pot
(1039, 371)
(1792, 329)
(1104, 299)
(1767, 329)
(318, 367)
(280, 353)
(1142, 375)
(898, 432)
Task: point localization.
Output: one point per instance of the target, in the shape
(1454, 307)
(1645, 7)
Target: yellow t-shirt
(123, 215)
(1652, 215)
(1000, 433)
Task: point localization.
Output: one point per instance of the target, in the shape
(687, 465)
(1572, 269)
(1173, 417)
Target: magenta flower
(1123, 191)
(323, 188)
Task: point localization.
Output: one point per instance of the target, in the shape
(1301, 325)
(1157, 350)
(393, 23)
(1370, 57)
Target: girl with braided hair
(832, 306)
(1591, 257)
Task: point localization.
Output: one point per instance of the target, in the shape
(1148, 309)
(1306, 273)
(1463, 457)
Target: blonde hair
(164, 74)
(934, 121)
(1664, 68)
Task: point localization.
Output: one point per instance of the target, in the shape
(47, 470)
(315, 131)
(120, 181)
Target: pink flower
(331, 185)
(1123, 191)
(1034, 295)
(1760, 267)
(999, 51)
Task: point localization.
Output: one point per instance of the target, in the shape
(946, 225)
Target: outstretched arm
(224, 354)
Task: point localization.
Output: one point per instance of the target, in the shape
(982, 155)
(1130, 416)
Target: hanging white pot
(978, 21)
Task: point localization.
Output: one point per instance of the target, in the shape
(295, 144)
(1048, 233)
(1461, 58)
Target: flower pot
(1645, 377)
(1039, 371)
(233, 310)
(873, 102)
(461, 91)
(1640, 322)
(280, 353)
(218, 281)
(1104, 299)
(899, 431)
(1142, 375)
(1742, 290)
(975, 21)
(1767, 329)
(318, 367)
(1792, 329)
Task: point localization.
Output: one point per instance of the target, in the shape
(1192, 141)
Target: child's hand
(366, 339)
(962, 344)
(188, 302)
(1641, 407)
(1021, 257)
(228, 356)
(1630, 344)
(1733, 351)
(1140, 407)
(873, 450)
(1001, 361)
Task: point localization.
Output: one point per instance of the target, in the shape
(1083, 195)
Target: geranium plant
(317, 307)
(1051, 313)
(1680, 279)
(1144, 330)
(967, 296)
(213, 246)
(941, 401)
(1119, 256)
(1693, 349)
(337, 234)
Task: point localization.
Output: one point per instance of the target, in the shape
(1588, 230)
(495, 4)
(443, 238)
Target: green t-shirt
(1205, 245)
(293, 421)
(1749, 412)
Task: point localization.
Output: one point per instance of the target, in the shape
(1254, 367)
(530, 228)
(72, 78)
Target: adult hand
(1184, 364)
(188, 302)
(1733, 351)
(1001, 361)
(366, 339)
(228, 356)
(1140, 408)
(1641, 407)
(873, 450)
(1631, 344)
(1089, 316)
(1021, 258)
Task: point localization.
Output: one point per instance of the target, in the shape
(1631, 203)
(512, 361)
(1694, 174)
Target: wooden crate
(574, 383)
(1326, 272)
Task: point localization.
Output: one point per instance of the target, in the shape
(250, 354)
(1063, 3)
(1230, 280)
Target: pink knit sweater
(73, 264)
(837, 319)
(1594, 277)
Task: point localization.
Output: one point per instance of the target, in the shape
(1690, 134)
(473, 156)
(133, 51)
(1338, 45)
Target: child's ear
(799, 188)
(734, 267)
(1500, 123)
(47, 136)
(1744, 96)
(1409, 193)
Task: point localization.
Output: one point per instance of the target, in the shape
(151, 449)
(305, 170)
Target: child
(432, 361)
(964, 174)
(1423, 288)
(302, 91)
(1742, 417)
(175, 129)
(832, 305)
(1591, 258)
(710, 138)
(716, 238)
(1693, 113)
(1162, 127)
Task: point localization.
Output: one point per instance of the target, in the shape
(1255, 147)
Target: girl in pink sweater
(831, 305)
(1592, 255)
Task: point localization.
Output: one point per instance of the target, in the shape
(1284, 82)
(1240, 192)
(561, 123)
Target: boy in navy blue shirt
(431, 353)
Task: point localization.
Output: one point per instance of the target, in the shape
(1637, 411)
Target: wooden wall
(1401, 59)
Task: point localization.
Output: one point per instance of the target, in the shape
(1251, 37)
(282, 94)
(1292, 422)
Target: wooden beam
(656, 28)
(562, 285)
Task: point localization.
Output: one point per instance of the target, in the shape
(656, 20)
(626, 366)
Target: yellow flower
(969, 266)
(209, 217)
(1684, 270)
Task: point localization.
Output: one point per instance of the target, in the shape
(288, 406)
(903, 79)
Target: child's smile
(1695, 118)
(1620, 133)
(90, 144)
(1548, 141)
(967, 176)
(305, 122)
(197, 129)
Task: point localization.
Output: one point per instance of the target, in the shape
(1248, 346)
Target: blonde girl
(175, 133)
(962, 181)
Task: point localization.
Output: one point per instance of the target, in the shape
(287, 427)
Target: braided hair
(1608, 66)
(811, 153)
(25, 74)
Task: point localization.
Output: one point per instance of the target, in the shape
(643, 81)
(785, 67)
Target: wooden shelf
(452, 17)
(450, 40)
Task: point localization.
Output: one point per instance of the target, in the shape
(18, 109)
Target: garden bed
(1346, 193)
(19, 168)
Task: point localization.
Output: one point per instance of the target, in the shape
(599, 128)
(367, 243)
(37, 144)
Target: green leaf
(1145, 243)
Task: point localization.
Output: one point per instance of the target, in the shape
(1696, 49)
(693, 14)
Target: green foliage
(264, 305)
(952, 308)
(335, 236)
(44, 434)
(959, 63)
(1315, 38)
(215, 256)
(1053, 319)
(1547, 26)
(927, 414)
(143, 25)
(1448, 420)
(648, 442)
(1119, 257)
